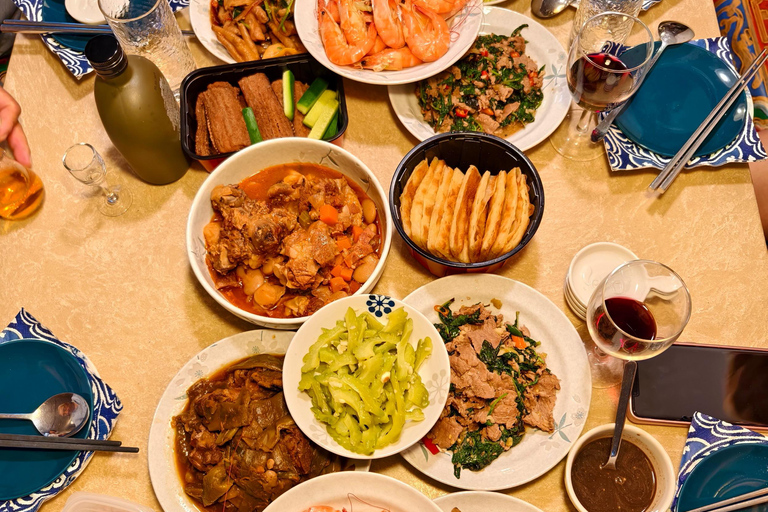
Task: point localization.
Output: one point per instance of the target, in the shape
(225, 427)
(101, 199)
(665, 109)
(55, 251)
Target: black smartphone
(728, 383)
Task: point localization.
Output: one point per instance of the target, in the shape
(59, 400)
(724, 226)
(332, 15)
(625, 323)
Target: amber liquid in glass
(20, 194)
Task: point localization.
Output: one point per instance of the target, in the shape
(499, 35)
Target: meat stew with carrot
(290, 239)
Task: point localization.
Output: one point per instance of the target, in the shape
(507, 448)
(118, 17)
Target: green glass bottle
(138, 111)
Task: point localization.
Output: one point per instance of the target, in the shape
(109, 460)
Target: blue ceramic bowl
(678, 93)
(30, 372)
(726, 473)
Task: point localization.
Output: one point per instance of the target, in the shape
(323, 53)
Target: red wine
(595, 88)
(631, 316)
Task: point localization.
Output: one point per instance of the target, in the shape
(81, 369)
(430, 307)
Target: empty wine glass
(607, 60)
(636, 313)
(86, 165)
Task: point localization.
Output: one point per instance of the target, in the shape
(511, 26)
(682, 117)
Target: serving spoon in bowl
(630, 367)
(548, 8)
(62, 415)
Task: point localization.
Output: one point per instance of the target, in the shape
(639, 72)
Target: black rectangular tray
(304, 67)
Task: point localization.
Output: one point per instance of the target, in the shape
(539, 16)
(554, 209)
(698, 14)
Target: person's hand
(11, 130)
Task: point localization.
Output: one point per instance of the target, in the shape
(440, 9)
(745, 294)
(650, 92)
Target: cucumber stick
(250, 122)
(333, 128)
(327, 115)
(323, 101)
(288, 101)
(312, 94)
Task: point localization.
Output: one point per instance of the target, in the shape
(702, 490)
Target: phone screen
(729, 384)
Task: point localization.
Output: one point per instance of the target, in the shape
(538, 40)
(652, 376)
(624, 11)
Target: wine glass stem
(583, 125)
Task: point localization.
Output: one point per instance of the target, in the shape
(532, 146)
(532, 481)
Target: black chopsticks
(62, 443)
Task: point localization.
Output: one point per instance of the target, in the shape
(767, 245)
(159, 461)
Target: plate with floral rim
(163, 471)
(539, 451)
(482, 501)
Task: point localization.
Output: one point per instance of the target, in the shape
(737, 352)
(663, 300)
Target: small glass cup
(148, 28)
(86, 165)
(635, 313)
(21, 191)
(589, 8)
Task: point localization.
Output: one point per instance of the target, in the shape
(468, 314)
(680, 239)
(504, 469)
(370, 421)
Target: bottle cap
(106, 56)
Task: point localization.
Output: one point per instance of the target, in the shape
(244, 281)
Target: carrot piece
(519, 342)
(354, 286)
(343, 243)
(356, 232)
(338, 284)
(336, 271)
(346, 273)
(328, 214)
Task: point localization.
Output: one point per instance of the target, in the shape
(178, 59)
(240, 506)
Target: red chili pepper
(487, 111)
(514, 53)
(484, 74)
(484, 52)
(460, 112)
(434, 450)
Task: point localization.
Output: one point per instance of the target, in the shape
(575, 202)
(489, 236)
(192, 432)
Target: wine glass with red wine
(607, 60)
(637, 312)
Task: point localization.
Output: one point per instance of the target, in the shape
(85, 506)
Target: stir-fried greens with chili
(495, 89)
(499, 385)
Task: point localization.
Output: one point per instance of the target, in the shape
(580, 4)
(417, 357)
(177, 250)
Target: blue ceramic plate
(54, 10)
(726, 473)
(30, 372)
(679, 92)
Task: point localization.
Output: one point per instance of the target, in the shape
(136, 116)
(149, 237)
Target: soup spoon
(630, 367)
(62, 415)
(548, 8)
(670, 33)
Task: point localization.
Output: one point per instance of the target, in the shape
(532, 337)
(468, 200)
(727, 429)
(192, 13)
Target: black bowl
(487, 153)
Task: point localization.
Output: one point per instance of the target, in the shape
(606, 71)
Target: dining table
(121, 288)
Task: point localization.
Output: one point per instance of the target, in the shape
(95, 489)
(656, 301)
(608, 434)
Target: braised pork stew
(237, 447)
(290, 239)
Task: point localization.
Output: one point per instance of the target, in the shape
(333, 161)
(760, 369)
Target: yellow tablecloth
(121, 290)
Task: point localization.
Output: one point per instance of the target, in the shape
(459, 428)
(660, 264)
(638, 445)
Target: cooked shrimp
(352, 21)
(391, 60)
(426, 33)
(378, 46)
(337, 49)
(445, 8)
(333, 9)
(388, 25)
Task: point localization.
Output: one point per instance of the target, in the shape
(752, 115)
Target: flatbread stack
(465, 217)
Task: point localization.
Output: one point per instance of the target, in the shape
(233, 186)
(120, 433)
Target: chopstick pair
(44, 27)
(678, 162)
(736, 503)
(63, 443)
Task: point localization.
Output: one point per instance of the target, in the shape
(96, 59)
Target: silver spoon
(62, 415)
(548, 8)
(630, 367)
(671, 33)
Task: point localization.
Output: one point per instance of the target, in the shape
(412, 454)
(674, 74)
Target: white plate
(166, 480)
(542, 47)
(355, 492)
(481, 501)
(539, 451)
(200, 17)
(464, 29)
(435, 372)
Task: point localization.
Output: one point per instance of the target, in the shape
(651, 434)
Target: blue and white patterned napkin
(707, 435)
(74, 60)
(106, 408)
(623, 154)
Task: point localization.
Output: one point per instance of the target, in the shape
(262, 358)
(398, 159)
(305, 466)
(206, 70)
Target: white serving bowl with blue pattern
(253, 160)
(435, 372)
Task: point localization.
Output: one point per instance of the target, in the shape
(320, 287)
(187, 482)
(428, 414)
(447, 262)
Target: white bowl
(435, 372)
(666, 477)
(359, 492)
(252, 160)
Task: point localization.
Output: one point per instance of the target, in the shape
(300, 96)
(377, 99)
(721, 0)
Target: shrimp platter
(386, 35)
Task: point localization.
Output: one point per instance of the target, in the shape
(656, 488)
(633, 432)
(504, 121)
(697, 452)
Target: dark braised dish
(237, 447)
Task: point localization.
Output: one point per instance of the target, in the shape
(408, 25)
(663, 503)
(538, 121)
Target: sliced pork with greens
(499, 385)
